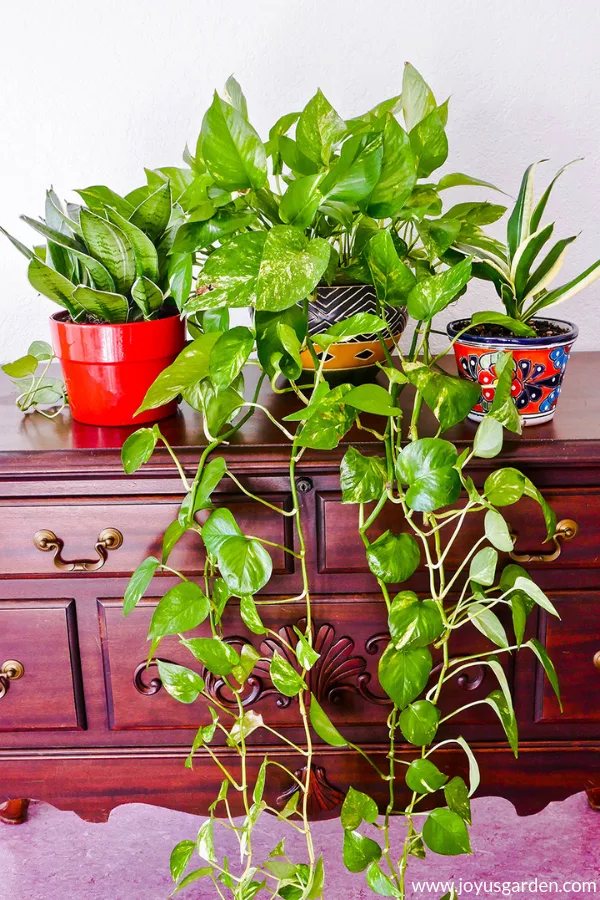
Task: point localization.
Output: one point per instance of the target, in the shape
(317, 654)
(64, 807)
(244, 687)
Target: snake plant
(106, 261)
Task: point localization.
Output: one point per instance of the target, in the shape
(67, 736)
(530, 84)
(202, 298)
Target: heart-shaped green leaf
(190, 367)
(504, 486)
(393, 280)
(483, 566)
(270, 272)
(301, 201)
(429, 143)
(499, 703)
(229, 355)
(358, 808)
(183, 684)
(487, 622)
(139, 583)
(417, 97)
(419, 722)
(359, 851)
(22, 367)
(424, 777)
(414, 622)
(219, 526)
(244, 564)
(231, 149)
(323, 725)
(182, 608)
(431, 295)
(319, 129)
(548, 666)
(449, 398)
(249, 615)
(285, 678)
(137, 449)
(393, 557)
(529, 587)
(445, 832)
(193, 236)
(362, 478)
(457, 798)
(180, 857)
(488, 438)
(372, 398)
(427, 467)
(496, 531)
(397, 176)
(404, 673)
(219, 657)
(359, 323)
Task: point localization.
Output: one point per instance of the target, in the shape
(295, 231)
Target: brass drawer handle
(109, 539)
(597, 659)
(11, 670)
(566, 530)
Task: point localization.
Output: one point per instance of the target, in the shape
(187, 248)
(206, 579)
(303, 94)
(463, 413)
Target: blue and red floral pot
(540, 364)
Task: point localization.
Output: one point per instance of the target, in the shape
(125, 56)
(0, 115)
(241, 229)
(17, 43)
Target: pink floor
(56, 855)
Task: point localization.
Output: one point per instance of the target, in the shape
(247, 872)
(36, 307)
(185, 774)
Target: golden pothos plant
(268, 247)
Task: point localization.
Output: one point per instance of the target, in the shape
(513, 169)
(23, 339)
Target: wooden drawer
(341, 551)
(349, 635)
(574, 647)
(141, 521)
(42, 636)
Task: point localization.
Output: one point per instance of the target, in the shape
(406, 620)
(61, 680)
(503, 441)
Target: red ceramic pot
(540, 364)
(108, 368)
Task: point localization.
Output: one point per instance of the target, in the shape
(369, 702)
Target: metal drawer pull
(11, 670)
(597, 659)
(109, 539)
(566, 530)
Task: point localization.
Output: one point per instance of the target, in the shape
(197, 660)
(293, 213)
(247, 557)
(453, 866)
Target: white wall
(92, 90)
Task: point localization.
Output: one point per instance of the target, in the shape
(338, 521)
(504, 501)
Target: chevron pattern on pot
(338, 302)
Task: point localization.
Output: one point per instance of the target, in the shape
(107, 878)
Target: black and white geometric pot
(338, 302)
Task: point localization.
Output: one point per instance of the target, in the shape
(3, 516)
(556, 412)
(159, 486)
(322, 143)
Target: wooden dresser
(87, 728)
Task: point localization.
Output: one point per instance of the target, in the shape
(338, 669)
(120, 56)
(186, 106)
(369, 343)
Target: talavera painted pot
(540, 364)
(338, 302)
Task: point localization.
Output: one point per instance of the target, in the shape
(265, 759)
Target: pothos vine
(425, 478)
(342, 202)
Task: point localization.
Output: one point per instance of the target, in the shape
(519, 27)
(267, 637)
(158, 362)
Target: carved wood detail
(334, 674)
(337, 671)
(322, 796)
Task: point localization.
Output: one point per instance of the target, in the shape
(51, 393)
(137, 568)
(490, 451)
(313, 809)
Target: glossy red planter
(108, 368)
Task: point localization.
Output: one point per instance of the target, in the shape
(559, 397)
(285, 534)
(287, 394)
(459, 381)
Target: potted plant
(425, 479)
(106, 264)
(540, 345)
(347, 224)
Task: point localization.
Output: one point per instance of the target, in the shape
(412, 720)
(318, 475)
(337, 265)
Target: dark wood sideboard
(87, 728)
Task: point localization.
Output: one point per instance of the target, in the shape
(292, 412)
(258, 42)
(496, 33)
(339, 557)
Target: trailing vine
(424, 478)
(357, 217)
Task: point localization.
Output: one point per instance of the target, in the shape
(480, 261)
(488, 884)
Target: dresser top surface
(30, 443)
